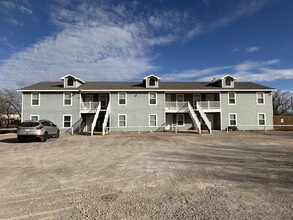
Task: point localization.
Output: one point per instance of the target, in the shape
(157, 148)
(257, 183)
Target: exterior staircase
(95, 118)
(106, 119)
(194, 118)
(204, 117)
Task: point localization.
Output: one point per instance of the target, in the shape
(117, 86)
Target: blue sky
(112, 40)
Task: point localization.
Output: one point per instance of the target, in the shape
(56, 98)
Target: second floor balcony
(207, 106)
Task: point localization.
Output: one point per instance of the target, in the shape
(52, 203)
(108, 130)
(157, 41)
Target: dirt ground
(239, 175)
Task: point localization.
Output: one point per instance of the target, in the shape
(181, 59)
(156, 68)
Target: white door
(211, 118)
(169, 121)
(88, 122)
(210, 97)
(103, 99)
(196, 98)
(179, 101)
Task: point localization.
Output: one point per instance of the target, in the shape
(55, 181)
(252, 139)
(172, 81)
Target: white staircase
(95, 119)
(106, 119)
(194, 117)
(204, 117)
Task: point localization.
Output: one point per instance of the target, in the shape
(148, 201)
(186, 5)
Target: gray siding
(247, 110)
(137, 111)
(51, 108)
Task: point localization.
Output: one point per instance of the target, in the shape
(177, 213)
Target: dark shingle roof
(48, 86)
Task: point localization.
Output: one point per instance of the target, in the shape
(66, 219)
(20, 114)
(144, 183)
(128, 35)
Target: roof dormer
(70, 81)
(151, 81)
(228, 81)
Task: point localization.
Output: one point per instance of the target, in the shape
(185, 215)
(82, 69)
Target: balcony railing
(176, 106)
(89, 105)
(182, 106)
(210, 105)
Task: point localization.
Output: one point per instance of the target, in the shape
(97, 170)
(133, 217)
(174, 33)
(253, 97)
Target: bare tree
(10, 102)
(282, 102)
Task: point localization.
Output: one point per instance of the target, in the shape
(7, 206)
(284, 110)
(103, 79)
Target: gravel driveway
(239, 175)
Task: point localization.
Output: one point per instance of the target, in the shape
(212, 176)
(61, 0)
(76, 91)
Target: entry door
(104, 100)
(210, 97)
(88, 98)
(211, 118)
(196, 98)
(179, 100)
(169, 121)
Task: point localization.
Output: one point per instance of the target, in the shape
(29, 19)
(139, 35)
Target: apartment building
(149, 105)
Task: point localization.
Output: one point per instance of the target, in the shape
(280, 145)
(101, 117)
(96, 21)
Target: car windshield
(29, 124)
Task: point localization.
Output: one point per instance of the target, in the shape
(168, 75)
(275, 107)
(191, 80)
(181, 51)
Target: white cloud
(104, 41)
(252, 49)
(99, 44)
(257, 71)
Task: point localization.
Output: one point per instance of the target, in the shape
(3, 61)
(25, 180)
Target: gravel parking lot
(236, 175)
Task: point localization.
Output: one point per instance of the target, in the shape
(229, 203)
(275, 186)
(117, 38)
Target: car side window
(43, 123)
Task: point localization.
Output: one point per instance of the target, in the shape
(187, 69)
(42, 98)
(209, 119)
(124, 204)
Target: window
(180, 120)
(34, 117)
(122, 121)
(261, 119)
(67, 99)
(67, 121)
(152, 82)
(70, 81)
(35, 98)
(152, 98)
(260, 98)
(232, 98)
(228, 82)
(122, 98)
(232, 119)
(153, 120)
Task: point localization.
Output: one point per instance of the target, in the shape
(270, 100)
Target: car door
(48, 127)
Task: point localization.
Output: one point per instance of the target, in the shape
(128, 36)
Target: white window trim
(150, 120)
(63, 120)
(64, 98)
(177, 120)
(264, 118)
(35, 116)
(263, 98)
(150, 98)
(156, 82)
(235, 119)
(32, 98)
(73, 80)
(226, 86)
(119, 121)
(234, 98)
(125, 98)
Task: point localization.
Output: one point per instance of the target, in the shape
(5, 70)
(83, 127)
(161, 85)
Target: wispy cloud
(257, 71)
(106, 41)
(252, 49)
(95, 41)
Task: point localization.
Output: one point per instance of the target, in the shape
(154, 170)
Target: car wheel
(58, 134)
(45, 137)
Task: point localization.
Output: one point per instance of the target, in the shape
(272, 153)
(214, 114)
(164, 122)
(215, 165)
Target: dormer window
(70, 81)
(152, 82)
(228, 82)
